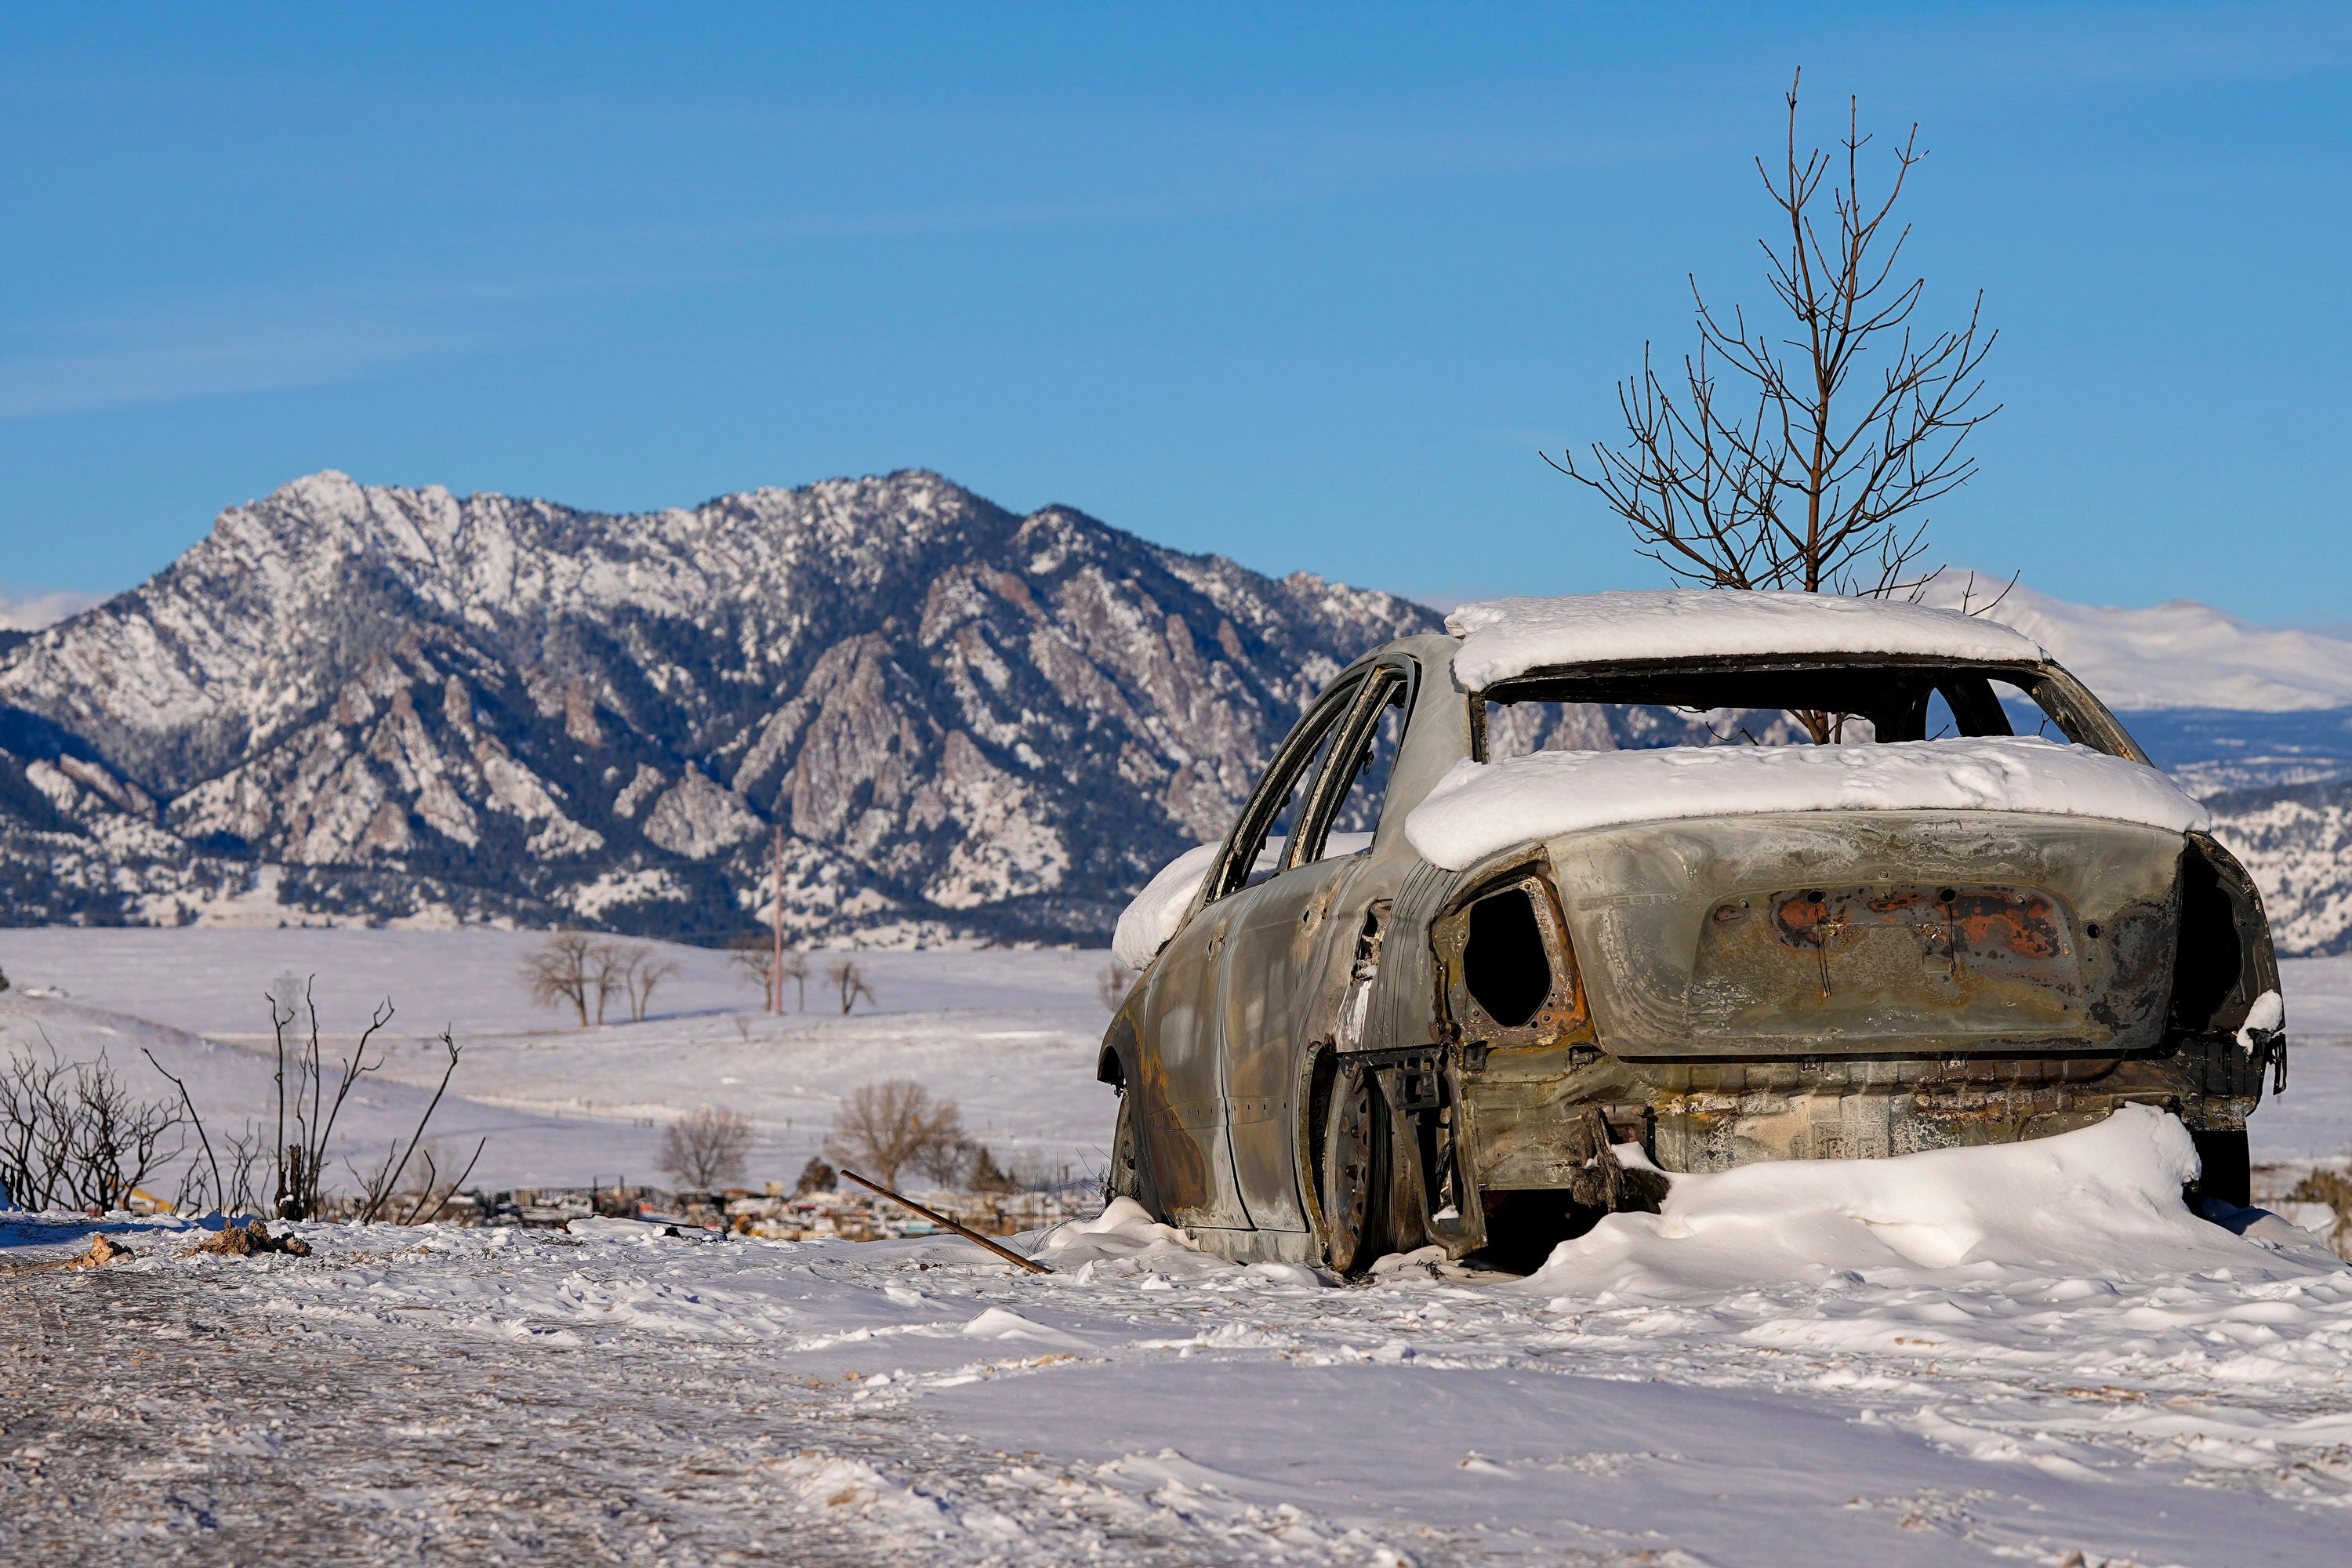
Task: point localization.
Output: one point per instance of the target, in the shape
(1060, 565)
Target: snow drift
(2105, 1198)
(1480, 808)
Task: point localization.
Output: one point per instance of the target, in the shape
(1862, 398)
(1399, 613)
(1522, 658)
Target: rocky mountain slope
(359, 701)
(2297, 842)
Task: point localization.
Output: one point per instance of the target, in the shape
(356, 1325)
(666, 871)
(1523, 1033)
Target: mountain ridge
(386, 703)
(972, 725)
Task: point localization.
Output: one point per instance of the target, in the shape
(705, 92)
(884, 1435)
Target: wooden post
(776, 954)
(936, 1217)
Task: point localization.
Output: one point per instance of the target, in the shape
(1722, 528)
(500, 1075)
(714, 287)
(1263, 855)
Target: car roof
(1503, 639)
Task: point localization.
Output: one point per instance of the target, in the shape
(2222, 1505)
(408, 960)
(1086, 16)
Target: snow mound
(1153, 916)
(2105, 1198)
(1480, 808)
(1505, 637)
(1126, 1235)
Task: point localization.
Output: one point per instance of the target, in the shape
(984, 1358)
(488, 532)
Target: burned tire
(1353, 1173)
(1124, 1179)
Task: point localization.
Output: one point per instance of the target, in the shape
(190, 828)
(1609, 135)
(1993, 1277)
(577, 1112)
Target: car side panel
(1182, 1113)
(1270, 978)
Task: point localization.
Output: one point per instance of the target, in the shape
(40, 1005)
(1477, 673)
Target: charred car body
(1574, 878)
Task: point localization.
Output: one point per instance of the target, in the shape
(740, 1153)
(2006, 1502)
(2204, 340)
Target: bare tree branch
(1846, 425)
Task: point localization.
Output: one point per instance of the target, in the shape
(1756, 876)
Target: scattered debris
(102, 1251)
(235, 1240)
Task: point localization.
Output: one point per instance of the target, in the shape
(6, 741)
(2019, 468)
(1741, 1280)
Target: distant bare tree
(1811, 474)
(755, 955)
(889, 1126)
(988, 1176)
(951, 1158)
(1112, 983)
(706, 1149)
(562, 972)
(816, 1176)
(848, 983)
(640, 968)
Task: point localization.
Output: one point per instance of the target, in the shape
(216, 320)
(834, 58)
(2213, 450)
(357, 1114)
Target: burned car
(1724, 875)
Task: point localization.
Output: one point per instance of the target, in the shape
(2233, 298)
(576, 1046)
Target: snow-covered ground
(2028, 1354)
(1010, 1036)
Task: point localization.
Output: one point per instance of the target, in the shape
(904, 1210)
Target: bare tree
(755, 955)
(301, 1165)
(889, 1126)
(848, 983)
(425, 1195)
(607, 966)
(988, 1176)
(380, 1188)
(71, 1135)
(950, 1159)
(1113, 981)
(706, 1149)
(640, 968)
(1807, 472)
(224, 1180)
(563, 971)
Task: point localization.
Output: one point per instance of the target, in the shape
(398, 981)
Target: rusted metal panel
(1831, 933)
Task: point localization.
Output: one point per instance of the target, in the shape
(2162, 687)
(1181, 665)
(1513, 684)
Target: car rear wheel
(1354, 1171)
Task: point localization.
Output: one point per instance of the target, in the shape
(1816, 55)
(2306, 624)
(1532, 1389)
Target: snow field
(1010, 1036)
(2012, 1353)
(2097, 1378)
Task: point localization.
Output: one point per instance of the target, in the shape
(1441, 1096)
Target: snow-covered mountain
(359, 701)
(2177, 654)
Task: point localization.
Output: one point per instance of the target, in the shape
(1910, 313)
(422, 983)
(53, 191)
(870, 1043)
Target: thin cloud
(31, 612)
(168, 356)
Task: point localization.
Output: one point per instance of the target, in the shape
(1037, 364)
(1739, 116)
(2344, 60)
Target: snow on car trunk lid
(1935, 895)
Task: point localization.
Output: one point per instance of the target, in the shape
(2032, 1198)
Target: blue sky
(1308, 286)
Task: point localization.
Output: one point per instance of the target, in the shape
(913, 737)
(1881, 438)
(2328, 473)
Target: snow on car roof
(1505, 637)
(1478, 808)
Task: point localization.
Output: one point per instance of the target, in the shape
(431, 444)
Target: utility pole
(776, 954)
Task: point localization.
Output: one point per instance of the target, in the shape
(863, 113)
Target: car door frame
(1272, 963)
(1185, 1111)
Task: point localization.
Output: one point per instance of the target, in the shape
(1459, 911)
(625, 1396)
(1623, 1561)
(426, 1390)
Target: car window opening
(1855, 705)
(1504, 964)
